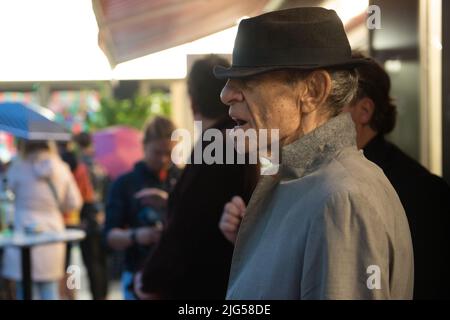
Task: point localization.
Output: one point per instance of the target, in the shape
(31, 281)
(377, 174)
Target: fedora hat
(301, 38)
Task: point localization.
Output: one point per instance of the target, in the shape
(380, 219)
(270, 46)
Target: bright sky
(347, 9)
(57, 40)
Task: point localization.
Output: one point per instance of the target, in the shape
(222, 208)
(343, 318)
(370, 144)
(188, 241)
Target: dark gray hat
(301, 38)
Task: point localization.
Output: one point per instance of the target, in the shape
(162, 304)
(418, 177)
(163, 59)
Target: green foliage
(130, 112)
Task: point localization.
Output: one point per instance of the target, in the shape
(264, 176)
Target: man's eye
(252, 81)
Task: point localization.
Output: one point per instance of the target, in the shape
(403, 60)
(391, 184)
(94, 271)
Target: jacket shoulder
(124, 179)
(352, 177)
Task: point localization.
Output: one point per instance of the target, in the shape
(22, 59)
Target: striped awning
(129, 29)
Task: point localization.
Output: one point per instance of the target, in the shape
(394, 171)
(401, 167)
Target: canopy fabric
(130, 29)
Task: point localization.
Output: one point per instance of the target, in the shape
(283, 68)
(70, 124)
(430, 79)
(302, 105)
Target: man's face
(157, 154)
(264, 101)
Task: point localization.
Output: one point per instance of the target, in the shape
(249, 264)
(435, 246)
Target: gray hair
(344, 87)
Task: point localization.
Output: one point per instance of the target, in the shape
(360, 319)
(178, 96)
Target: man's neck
(364, 136)
(308, 124)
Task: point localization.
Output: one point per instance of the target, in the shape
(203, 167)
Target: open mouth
(240, 124)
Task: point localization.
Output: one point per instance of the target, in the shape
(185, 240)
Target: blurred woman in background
(136, 203)
(44, 190)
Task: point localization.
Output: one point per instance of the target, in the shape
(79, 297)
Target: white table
(26, 241)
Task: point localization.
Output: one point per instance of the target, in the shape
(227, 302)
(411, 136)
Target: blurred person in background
(425, 196)
(192, 259)
(99, 178)
(68, 155)
(7, 287)
(136, 202)
(72, 218)
(44, 190)
(90, 175)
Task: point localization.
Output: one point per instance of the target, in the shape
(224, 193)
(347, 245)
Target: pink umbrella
(117, 149)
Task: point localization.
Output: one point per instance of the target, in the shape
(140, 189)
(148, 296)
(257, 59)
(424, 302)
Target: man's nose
(231, 93)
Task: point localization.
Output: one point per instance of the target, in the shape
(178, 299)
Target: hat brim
(221, 72)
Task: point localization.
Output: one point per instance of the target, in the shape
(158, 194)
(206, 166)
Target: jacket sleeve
(71, 200)
(11, 175)
(347, 252)
(84, 183)
(115, 208)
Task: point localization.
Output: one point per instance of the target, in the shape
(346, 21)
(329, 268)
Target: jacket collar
(141, 169)
(315, 148)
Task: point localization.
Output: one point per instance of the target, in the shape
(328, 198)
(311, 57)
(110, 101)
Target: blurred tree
(129, 112)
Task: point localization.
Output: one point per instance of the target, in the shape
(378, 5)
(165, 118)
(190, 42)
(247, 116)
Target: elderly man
(329, 225)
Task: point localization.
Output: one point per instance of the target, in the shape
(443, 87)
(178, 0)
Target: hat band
(253, 57)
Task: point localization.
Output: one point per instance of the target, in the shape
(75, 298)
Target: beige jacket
(329, 226)
(35, 203)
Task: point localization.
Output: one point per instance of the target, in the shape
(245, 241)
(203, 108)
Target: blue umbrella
(30, 122)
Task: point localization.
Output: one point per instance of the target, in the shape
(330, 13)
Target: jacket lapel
(258, 201)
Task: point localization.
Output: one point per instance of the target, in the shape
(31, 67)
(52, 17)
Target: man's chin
(243, 128)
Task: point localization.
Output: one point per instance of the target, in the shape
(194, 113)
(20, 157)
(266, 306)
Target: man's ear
(362, 111)
(317, 88)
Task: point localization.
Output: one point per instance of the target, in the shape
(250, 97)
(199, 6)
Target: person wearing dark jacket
(425, 196)
(92, 215)
(192, 259)
(134, 218)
